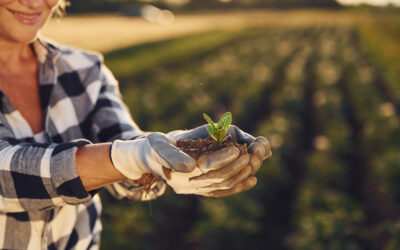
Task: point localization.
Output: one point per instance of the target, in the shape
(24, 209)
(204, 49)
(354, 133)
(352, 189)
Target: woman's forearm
(94, 166)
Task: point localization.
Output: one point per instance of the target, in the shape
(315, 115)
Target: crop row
(332, 181)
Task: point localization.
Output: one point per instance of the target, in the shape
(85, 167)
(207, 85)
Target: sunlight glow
(372, 2)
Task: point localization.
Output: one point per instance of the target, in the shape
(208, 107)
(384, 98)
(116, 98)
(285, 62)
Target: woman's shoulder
(73, 57)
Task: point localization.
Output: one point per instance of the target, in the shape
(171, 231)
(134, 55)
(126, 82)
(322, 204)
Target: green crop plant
(218, 131)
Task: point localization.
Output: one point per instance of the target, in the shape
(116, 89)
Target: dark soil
(194, 148)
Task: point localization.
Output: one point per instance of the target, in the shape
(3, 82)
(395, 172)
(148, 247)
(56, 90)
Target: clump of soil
(194, 148)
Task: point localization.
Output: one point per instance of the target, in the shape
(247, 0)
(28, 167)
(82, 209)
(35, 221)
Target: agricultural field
(106, 33)
(327, 97)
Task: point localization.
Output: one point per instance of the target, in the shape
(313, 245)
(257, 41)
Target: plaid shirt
(43, 204)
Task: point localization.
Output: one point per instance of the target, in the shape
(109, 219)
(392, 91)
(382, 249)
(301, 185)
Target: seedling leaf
(218, 131)
(214, 137)
(209, 129)
(210, 121)
(223, 119)
(227, 122)
(219, 134)
(226, 137)
(220, 123)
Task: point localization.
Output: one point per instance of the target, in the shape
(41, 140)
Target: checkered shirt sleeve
(82, 104)
(36, 176)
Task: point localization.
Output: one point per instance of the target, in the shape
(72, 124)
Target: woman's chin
(25, 37)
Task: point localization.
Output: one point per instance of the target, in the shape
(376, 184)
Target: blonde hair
(60, 10)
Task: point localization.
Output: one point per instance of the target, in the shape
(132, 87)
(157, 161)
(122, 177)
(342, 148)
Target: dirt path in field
(106, 33)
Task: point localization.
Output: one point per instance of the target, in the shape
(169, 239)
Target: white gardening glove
(219, 170)
(258, 148)
(148, 155)
(181, 172)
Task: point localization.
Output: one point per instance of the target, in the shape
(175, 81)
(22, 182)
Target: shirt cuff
(64, 176)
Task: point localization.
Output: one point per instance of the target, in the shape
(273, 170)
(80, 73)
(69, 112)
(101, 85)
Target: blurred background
(319, 78)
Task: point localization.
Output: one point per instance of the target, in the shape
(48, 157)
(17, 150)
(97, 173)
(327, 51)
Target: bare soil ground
(109, 32)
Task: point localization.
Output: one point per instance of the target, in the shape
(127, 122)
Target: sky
(373, 2)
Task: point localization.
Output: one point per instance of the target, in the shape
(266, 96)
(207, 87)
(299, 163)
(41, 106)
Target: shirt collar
(45, 50)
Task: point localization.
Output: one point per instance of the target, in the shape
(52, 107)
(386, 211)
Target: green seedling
(218, 131)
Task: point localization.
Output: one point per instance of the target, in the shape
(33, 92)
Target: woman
(64, 134)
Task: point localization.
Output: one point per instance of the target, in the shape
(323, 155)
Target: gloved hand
(258, 148)
(149, 155)
(220, 170)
